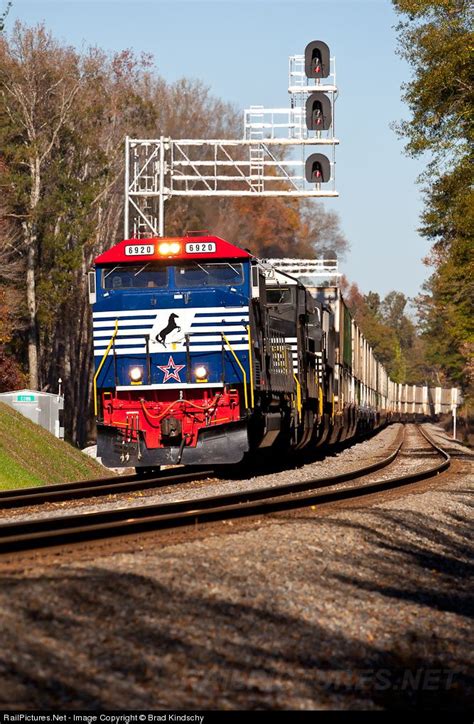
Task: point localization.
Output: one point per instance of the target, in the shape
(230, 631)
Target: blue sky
(240, 48)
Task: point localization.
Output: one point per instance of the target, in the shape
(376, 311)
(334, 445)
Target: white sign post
(454, 404)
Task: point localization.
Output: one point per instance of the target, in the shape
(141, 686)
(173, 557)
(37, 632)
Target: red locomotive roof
(180, 247)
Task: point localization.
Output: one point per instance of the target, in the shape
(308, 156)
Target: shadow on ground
(94, 638)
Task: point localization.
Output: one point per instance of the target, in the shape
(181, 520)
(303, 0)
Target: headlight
(200, 372)
(169, 248)
(135, 374)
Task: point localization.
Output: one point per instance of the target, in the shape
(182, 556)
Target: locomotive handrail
(298, 397)
(244, 374)
(250, 367)
(96, 407)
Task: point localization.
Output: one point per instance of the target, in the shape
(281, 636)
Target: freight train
(204, 355)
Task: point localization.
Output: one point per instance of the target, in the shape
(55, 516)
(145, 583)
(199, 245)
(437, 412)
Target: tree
(3, 16)
(39, 80)
(11, 375)
(436, 38)
(391, 333)
(279, 227)
(446, 306)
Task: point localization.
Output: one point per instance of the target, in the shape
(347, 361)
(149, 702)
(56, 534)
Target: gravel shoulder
(364, 608)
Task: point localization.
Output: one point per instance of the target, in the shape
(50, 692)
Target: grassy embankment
(29, 455)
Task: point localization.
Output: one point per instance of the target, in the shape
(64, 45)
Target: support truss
(157, 170)
(269, 161)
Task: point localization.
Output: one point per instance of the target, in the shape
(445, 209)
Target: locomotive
(203, 355)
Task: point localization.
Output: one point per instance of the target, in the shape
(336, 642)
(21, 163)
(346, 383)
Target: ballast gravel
(357, 455)
(361, 608)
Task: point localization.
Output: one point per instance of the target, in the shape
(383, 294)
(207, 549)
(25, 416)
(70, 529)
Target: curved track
(92, 488)
(114, 485)
(31, 534)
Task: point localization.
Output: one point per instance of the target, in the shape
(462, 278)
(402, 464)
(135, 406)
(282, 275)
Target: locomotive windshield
(185, 276)
(144, 276)
(209, 275)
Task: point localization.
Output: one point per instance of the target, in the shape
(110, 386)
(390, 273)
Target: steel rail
(23, 497)
(91, 488)
(49, 531)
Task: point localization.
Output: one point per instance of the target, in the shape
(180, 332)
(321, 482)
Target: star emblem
(171, 375)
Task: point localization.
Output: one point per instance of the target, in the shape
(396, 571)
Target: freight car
(204, 355)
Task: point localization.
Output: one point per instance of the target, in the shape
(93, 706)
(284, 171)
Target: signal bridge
(271, 160)
(312, 272)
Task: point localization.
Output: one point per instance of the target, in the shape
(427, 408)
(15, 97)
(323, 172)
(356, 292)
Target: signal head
(318, 112)
(316, 59)
(317, 169)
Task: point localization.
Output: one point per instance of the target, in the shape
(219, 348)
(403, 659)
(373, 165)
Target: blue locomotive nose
(168, 326)
(172, 346)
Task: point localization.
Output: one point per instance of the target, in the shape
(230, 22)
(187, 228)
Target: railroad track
(32, 534)
(94, 488)
(114, 485)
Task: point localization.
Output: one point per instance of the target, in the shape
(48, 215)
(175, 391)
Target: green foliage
(391, 334)
(446, 311)
(436, 40)
(436, 37)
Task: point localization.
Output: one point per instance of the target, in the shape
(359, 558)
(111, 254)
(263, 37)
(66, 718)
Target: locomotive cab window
(143, 276)
(279, 295)
(209, 275)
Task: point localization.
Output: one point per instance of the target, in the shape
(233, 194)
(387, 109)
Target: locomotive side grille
(257, 372)
(280, 353)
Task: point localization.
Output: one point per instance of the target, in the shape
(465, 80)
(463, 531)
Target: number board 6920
(201, 247)
(139, 250)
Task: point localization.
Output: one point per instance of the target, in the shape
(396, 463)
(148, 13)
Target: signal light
(169, 248)
(317, 169)
(318, 112)
(316, 59)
